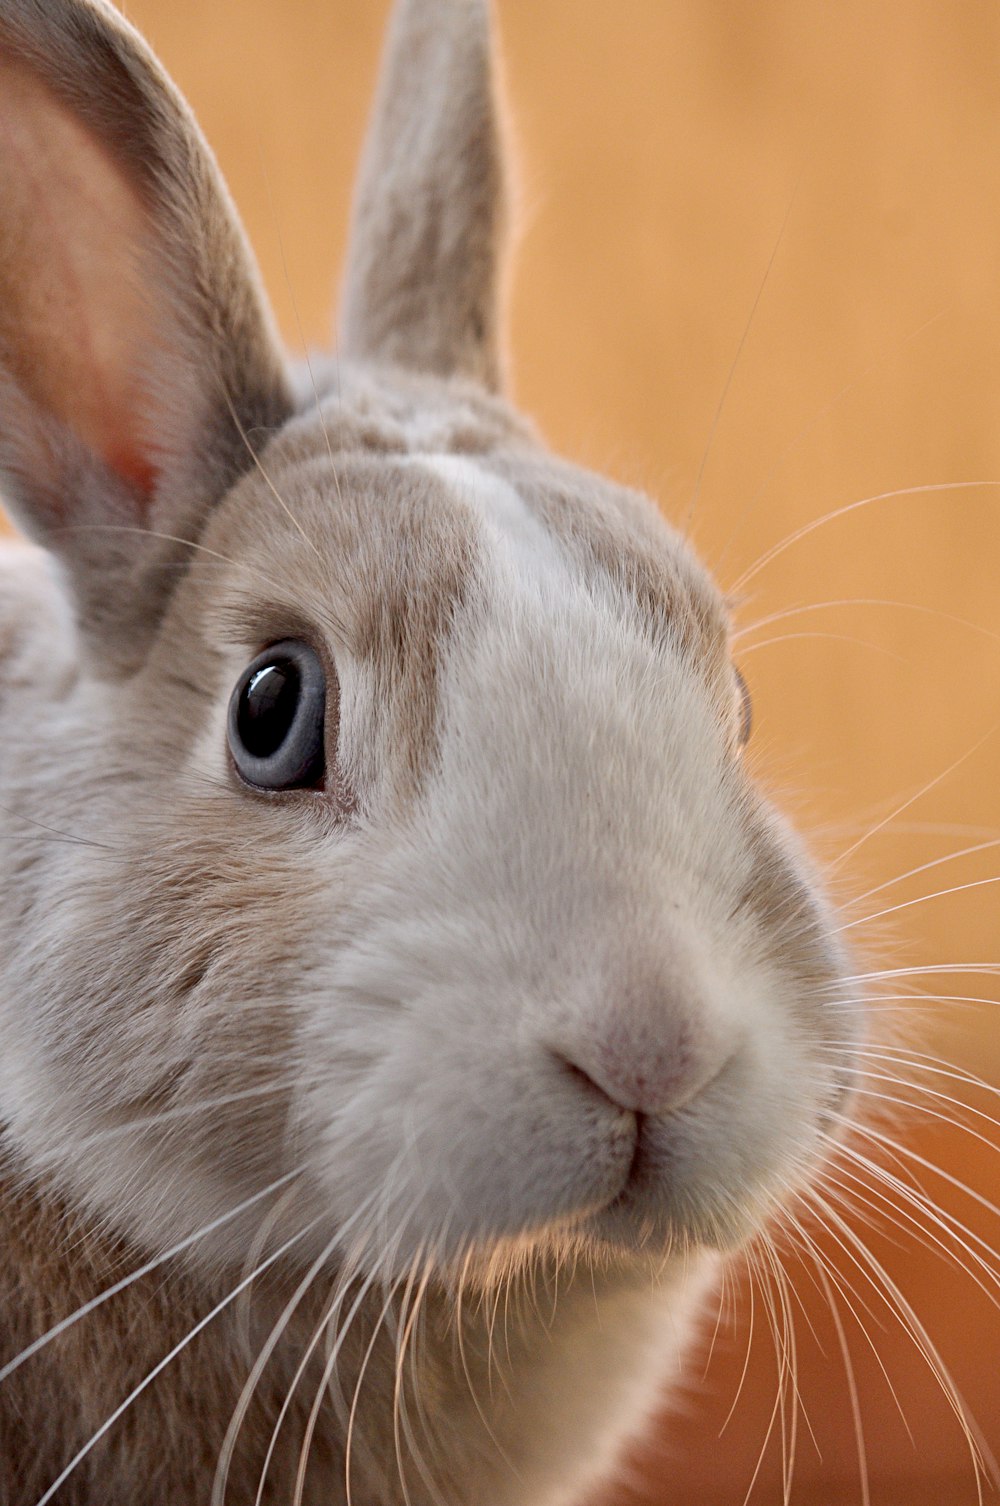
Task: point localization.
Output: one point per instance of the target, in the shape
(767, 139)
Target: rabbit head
(374, 816)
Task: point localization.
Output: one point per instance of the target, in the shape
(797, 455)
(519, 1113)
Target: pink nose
(647, 1068)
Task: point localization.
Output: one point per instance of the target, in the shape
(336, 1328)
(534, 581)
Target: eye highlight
(744, 709)
(277, 715)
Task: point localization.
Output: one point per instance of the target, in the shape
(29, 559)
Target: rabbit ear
(138, 364)
(423, 268)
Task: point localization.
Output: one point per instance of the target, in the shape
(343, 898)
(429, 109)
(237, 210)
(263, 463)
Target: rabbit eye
(744, 709)
(276, 719)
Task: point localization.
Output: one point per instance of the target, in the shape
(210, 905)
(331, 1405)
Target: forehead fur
(375, 515)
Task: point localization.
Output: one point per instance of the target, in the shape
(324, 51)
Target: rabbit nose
(642, 1068)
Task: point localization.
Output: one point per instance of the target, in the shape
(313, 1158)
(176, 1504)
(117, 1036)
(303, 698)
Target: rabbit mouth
(657, 1210)
(695, 1179)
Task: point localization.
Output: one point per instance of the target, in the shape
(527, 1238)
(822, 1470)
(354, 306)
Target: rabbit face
(533, 961)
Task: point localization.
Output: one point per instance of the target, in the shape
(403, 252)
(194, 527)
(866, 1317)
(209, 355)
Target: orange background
(670, 150)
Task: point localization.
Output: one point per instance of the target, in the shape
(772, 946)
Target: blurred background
(757, 276)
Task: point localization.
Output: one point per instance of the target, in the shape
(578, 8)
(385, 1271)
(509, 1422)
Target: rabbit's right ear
(138, 364)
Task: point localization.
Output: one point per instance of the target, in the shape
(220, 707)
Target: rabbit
(410, 1002)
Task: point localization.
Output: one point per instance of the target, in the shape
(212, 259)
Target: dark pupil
(267, 708)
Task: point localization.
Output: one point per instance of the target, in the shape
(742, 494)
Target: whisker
(751, 1320)
(923, 1061)
(927, 489)
(909, 1154)
(298, 325)
(137, 1275)
(186, 1110)
(921, 899)
(926, 1091)
(720, 1312)
(401, 1424)
(157, 1369)
(860, 1256)
(912, 800)
(769, 1431)
(251, 451)
(332, 1306)
(863, 601)
(788, 1376)
(250, 1385)
(716, 417)
(803, 433)
(55, 831)
(901, 1218)
(949, 857)
(934, 969)
(846, 1289)
(865, 643)
(327, 1315)
(854, 1398)
(328, 1369)
(194, 545)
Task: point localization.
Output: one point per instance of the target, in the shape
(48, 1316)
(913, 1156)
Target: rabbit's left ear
(422, 287)
(138, 363)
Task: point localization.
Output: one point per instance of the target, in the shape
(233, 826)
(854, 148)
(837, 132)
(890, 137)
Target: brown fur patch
(616, 533)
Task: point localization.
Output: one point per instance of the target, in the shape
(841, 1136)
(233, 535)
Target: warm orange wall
(669, 147)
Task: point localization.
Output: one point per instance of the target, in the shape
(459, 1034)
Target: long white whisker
(329, 1316)
(751, 1275)
(924, 1061)
(859, 1254)
(949, 857)
(769, 1431)
(921, 899)
(188, 1110)
(331, 1361)
(941, 1215)
(925, 970)
(143, 1270)
(806, 608)
(927, 489)
(852, 1382)
(911, 800)
(901, 1218)
(808, 428)
(930, 1113)
(408, 1342)
(717, 416)
(866, 643)
(302, 339)
(250, 1385)
(251, 451)
(157, 1369)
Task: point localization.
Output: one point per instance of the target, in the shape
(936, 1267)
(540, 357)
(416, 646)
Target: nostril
(588, 1085)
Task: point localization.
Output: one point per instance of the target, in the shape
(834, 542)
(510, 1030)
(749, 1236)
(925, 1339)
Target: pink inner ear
(135, 470)
(79, 309)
